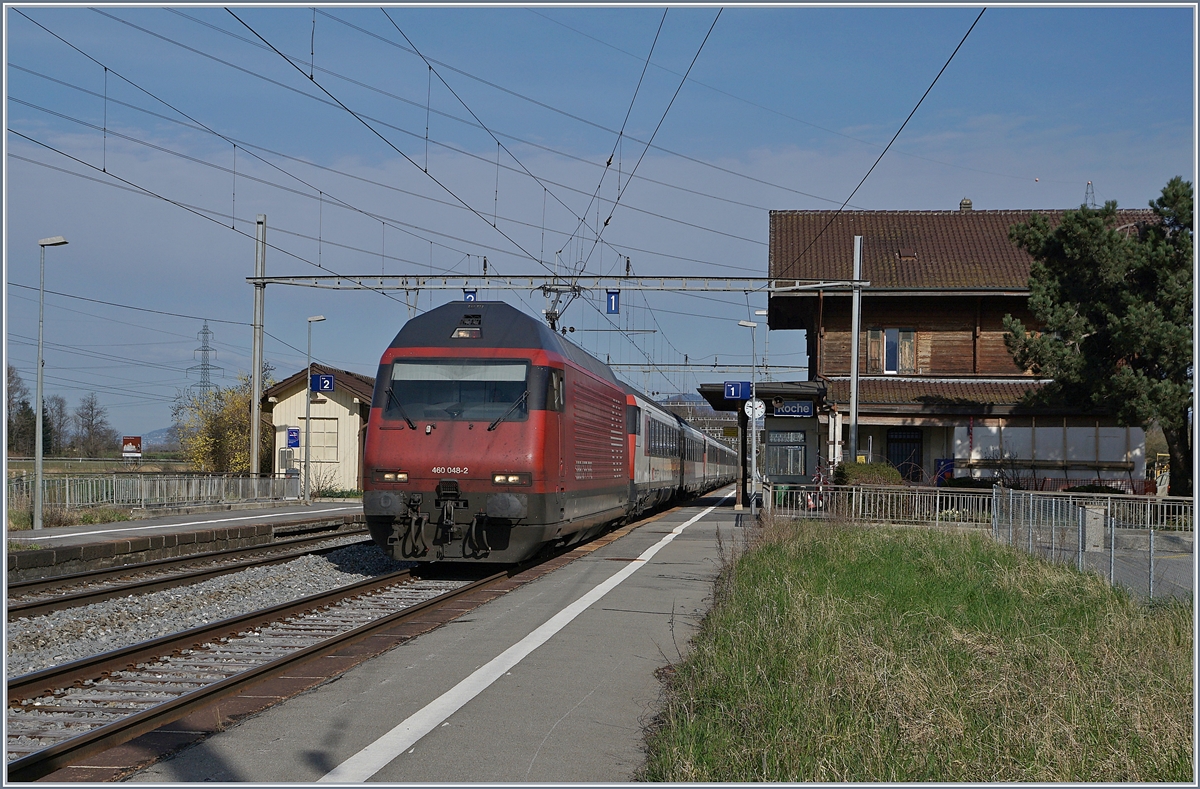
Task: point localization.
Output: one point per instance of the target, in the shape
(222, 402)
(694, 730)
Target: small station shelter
(790, 444)
(339, 422)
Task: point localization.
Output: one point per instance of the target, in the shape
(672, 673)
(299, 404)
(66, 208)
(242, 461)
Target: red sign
(131, 446)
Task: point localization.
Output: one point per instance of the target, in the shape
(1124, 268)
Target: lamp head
(53, 241)
(748, 324)
(316, 318)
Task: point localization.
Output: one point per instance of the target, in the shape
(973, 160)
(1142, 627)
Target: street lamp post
(308, 406)
(54, 241)
(751, 325)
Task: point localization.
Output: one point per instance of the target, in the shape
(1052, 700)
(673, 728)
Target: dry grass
(21, 519)
(836, 653)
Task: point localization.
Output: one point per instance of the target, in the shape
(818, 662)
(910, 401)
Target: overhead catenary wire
(318, 236)
(394, 222)
(499, 145)
(562, 112)
(177, 110)
(194, 211)
(774, 111)
(629, 111)
(385, 140)
(889, 145)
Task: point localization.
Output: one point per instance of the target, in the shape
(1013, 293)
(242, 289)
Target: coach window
(786, 453)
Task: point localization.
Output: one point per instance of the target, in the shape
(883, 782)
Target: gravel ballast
(65, 636)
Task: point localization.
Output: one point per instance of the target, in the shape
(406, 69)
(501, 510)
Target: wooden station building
(939, 393)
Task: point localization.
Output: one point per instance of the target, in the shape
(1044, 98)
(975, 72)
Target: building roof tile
(932, 393)
(910, 249)
(361, 386)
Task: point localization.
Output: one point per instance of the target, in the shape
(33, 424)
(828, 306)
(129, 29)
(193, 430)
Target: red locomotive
(492, 437)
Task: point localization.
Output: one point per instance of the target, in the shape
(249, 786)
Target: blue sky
(785, 108)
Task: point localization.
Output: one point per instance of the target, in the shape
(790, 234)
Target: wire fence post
(1151, 578)
(1010, 516)
(1112, 551)
(1029, 522)
(995, 514)
(1079, 545)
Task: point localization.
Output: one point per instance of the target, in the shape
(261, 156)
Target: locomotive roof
(501, 326)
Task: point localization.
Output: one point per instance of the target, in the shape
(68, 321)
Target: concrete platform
(70, 549)
(516, 690)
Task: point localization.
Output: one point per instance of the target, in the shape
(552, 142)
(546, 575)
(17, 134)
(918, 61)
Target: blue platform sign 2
(321, 383)
(614, 302)
(737, 390)
(293, 437)
(470, 295)
(794, 408)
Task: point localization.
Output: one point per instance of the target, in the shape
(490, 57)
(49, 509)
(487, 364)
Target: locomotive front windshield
(457, 390)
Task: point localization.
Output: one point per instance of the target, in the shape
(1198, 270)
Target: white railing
(1144, 543)
(149, 490)
(899, 505)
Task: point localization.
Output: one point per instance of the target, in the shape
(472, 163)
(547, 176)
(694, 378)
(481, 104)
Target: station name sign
(794, 408)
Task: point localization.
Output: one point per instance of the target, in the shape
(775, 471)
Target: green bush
(867, 474)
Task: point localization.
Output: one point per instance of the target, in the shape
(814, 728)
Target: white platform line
(128, 529)
(377, 755)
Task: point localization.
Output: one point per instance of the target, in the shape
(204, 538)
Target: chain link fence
(149, 490)
(1143, 543)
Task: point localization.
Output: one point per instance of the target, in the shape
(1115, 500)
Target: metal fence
(149, 490)
(1143, 543)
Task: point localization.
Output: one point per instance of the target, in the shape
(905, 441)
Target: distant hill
(165, 438)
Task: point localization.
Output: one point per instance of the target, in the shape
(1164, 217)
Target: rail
(75, 491)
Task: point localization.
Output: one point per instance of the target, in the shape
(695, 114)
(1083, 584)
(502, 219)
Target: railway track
(65, 713)
(44, 595)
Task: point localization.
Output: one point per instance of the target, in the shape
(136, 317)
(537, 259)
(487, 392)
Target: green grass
(835, 653)
(22, 519)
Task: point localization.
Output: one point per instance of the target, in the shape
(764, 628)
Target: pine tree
(1116, 309)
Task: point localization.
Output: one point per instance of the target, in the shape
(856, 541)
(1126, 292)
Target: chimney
(965, 205)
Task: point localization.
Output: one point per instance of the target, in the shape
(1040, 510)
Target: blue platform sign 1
(470, 295)
(794, 408)
(321, 383)
(737, 390)
(293, 437)
(614, 302)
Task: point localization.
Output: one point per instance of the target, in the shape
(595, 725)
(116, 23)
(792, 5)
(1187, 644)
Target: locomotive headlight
(392, 476)
(507, 478)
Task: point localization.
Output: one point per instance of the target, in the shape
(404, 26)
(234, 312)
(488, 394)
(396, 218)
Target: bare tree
(19, 416)
(17, 390)
(95, 437)
(57, 419)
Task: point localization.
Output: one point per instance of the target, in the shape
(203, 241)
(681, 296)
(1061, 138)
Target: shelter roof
(360, 386)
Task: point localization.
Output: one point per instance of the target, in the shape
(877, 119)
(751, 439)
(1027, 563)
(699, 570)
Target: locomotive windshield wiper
(396, 400)
(511, 408)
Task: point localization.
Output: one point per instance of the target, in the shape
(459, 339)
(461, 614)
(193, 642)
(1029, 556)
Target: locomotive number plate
(450, 470)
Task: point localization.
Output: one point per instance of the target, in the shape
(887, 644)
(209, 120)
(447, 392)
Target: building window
(891, 351)
(323, 437)
(785, 454)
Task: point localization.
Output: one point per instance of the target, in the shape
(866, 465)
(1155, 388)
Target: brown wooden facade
(961, 335)
(938, 388)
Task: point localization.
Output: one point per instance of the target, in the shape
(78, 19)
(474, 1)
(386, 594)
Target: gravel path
(65, 636)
